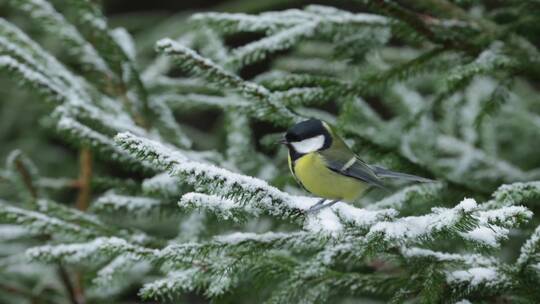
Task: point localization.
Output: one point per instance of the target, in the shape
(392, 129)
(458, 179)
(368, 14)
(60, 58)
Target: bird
(323, 164)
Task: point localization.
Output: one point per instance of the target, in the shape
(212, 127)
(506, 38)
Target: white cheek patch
(309, 145)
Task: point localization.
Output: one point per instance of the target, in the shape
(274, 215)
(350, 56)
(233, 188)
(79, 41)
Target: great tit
(325, 166)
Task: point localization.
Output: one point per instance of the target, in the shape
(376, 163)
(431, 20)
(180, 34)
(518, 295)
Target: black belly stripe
(294, 155)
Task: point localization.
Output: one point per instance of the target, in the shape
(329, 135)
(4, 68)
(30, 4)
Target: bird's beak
(282, 141)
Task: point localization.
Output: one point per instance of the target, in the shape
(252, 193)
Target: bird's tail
(385, 173)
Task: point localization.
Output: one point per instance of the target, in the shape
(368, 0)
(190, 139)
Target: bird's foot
(296, 213)
(319, 206)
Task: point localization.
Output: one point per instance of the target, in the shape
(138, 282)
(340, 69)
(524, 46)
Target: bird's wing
(385, 173)
(343, 161)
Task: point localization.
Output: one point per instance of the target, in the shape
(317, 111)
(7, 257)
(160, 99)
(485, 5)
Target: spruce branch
(414, 228)
(43, 13)
(469, 280)
(211, 179)
(133, 205)
(118, 268)
(261, 49)
(41, 223)
(416, 254)
(36, 66)
(514, 194)
(81, 135)
(529, 250)
(408, 90)
(419, 24)
(263, 105)
(94, 28)
(99, 248)
(490, 60)
(224, 208)
(254, 194)
(162, 185)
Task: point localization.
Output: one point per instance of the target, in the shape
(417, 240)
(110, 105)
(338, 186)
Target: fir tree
(142, 202)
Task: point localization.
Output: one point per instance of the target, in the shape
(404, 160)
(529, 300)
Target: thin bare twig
(26, 177)
(83, 202)
(85, 179)
(74, 295)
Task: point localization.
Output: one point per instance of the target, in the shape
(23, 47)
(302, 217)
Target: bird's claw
(298, 213)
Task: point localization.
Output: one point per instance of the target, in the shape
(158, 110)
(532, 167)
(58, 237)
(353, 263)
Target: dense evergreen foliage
(143, 167)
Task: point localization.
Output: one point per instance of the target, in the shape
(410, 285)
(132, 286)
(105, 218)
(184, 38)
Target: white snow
(162, 183)
(136, 205)
(469, 259)
(529, 248)
(172, 47)
(12, 232)
(192, 227)
(467, 205)
(165, 156)
(175, 282)
(125, 41)
(412, 100)
(362, 217)
(266, 22)
(30, 75)
(338, 16)
(488, 236)
(490, 233)
(193, 100)
(76, 253)
(506, 216)
(127, 264)
(323, 221)
(222, 207)
(239, 237)
(37, 222)
(258, 50)
(193, 171)
(414, 227)
(476, 276)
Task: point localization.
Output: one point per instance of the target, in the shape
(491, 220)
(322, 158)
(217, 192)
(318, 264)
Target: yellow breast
(311, 171)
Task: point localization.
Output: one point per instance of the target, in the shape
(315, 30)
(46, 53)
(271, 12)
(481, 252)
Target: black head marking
(308, 129)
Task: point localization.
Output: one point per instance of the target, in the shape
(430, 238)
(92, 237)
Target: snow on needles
(224, 208)
(474, 277)
(229, 194)
(136, 205)
(239, 237)
(494, 224)
(529, 248)
(162, 183)
(414, 227)
(469, 259)
(75, 253)
(362, 217)
(222, 190)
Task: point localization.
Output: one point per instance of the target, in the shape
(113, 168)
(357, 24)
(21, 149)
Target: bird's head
(308, 136)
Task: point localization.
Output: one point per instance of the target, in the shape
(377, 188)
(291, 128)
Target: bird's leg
(320, 202)
(318, 206)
